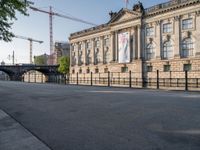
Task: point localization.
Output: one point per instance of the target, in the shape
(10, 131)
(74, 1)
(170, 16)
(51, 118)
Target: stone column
(76, 53)
(112, 46)
(130, 44)
(177, 29)
(134, 44)
(197, 28)
(116, 47)
(139, 42)
(92, 50)
(158, 39)
(84, 52)
(70, 53)
(101, 49)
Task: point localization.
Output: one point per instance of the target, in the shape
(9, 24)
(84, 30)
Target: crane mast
(31, 44)
(51, 33)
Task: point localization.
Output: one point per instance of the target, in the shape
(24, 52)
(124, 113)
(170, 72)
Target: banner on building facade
(124, 47)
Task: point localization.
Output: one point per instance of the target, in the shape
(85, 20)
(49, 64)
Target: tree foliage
(64, 63)
(40, 60)
(8, 9)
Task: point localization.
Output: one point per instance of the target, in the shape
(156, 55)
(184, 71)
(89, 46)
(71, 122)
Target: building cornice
(148, 12)
(168, 6)
(101, 28)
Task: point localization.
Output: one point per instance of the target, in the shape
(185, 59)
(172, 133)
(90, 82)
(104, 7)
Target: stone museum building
(164, 37)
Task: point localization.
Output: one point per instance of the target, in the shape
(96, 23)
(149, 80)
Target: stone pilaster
(116, 46)
(177, 40)
(76, 53)
(93, 50)
(197, 43)
(70, 54)
(158, 39)
(139, 42)
(101, 49)
(134, 44)
(112, 46)
(84, 52)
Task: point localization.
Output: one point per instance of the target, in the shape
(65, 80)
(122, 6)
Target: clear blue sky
(36, 25)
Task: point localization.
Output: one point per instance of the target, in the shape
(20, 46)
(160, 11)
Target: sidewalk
(13, 136)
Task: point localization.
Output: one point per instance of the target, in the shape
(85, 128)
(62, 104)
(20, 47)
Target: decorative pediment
(123, 14)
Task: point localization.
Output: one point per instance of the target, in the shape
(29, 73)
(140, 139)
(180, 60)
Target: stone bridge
(16, 72)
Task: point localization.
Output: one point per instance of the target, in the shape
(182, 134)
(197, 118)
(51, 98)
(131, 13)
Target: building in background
(60, 49)
(163, 37)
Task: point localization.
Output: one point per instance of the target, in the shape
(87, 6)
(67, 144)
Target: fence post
(35, 76)
(28, 77)
(108, 78)
(91, 79)
(186, 80)
(157, 79)
(64, 76)
(130, 79)
(77, 78)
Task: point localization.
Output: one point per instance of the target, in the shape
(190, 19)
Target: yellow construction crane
(31, 44)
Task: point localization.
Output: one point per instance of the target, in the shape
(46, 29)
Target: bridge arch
(34, 76)
(16, 72)
(10, 74)
(4, 76)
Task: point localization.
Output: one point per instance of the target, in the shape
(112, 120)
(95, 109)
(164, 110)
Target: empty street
(67, 117)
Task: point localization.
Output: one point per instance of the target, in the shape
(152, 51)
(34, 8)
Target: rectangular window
(72, 48)
(106, 42)
(73, 71)
(80, 71)
(97, 43)
(150, 31)
(167, 68)
(88, 45)
(124, 69)
(167, 28)
(187, 67)
(96, 70)
(105, 70)
(187, 24)
(88, 70)
(149, 68)
(82, 46)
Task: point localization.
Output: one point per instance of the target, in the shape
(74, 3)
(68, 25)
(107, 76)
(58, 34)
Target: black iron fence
(184, 80)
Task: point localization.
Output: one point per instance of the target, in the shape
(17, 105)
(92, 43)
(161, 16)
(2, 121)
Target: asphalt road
(68, 117)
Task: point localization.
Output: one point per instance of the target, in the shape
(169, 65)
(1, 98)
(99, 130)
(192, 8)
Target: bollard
(157, 79)
(77, 78)
(91, 79)
(186, 80)
(130, 79)
(108, 78)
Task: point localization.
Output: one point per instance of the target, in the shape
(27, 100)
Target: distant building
(3, 63)
(60, 49)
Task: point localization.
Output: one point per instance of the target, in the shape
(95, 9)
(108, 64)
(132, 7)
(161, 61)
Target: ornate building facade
(164, 37)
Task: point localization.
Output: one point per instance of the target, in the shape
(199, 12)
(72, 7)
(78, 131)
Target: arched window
(187, 47)
(167, 50)
(150, 51)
